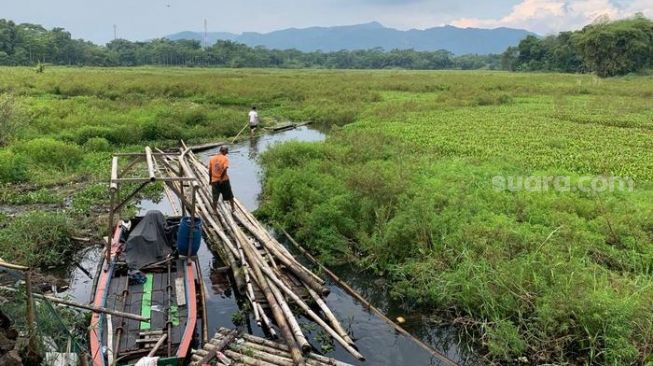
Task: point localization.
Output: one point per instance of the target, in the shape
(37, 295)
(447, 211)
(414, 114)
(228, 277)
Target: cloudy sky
(145, 19)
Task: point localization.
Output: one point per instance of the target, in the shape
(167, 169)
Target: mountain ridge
(372, 35)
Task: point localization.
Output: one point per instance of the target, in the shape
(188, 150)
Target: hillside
(371, 35)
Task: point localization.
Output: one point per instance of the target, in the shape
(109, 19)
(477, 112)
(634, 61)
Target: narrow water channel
(376, 340)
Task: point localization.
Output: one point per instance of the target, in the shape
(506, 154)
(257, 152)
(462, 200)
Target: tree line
(607, 48)
(29, 44)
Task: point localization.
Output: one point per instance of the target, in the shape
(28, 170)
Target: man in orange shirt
(218, 165)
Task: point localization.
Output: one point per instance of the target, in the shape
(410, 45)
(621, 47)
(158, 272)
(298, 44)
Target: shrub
(85, 133)
(51, 154)
(97, 144)
(125, 135)
(18, 197)
(38, 239)
(10, 119)
(153, 130)
(13, 167)
(504, 340)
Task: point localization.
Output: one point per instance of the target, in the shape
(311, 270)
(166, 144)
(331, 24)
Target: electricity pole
(205, 34)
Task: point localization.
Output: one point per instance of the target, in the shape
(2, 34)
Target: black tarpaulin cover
(147, 242)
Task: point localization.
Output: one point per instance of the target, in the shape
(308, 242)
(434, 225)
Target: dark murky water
(376, 340)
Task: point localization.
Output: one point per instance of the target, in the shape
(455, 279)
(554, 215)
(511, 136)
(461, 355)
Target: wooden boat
(142, 275)
(169, 297)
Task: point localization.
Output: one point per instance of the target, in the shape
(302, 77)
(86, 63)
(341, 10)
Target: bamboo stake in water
(241, 131)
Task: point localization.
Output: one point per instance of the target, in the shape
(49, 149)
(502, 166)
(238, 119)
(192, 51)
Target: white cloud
(551, 16)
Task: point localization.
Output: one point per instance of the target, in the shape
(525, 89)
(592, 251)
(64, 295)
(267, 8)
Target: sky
(146, 19)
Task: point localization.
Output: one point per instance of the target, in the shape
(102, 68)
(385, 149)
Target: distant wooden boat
(145, 276)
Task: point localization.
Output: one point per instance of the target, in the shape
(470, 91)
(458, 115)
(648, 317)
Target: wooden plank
(147, 340)
(151, 332)
(178, 331)
(180, 291)
(134, 326)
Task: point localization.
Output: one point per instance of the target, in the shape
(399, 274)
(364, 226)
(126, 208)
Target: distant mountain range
(371, 35)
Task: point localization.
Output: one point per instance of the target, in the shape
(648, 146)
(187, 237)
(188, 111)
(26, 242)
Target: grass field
(410, 188)
(410, 191)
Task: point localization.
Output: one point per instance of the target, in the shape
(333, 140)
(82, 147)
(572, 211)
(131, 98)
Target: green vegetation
(409, 191)
(405, 189)
(31, 44)
(607, 48)
(71, 119)
(604, 47)
(37, 239)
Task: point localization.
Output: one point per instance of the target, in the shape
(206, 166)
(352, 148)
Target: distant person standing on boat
(253, 120)
(220, 185)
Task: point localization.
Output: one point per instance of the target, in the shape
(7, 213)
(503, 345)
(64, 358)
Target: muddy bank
(13, 348)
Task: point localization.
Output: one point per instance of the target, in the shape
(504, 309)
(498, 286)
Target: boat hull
(167, 298)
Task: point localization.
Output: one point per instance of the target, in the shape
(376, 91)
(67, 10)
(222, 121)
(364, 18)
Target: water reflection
(253, 147)
(220, 284)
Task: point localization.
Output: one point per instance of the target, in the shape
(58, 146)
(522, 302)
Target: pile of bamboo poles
(259, 262)
(226, 348)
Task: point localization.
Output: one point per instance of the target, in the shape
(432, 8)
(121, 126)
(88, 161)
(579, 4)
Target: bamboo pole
(95, 309)
(169, 315)
(292, 320)
(158, 153)
(31, 320)
(292, 266)
(259, 269)
(297, 300)
(247, 360)
(205, 315)
(330, 316)
(276, 311)
(150, 164)
(232, 227)
(238, 135)
(255, 230)
(257, 224)
(444, 359)
(266, 357)
(202, 147)
(120, 330)
(231, 253)
(266, 320)
(192, 223)
(249, 288)
(281, 349)
(290, 317)
(157, 345)
(16, 267)
(207, 217)
(113, 186)
(257, 263)
(256, 348)
(266, 237)
(109, 339)
(143, 180)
